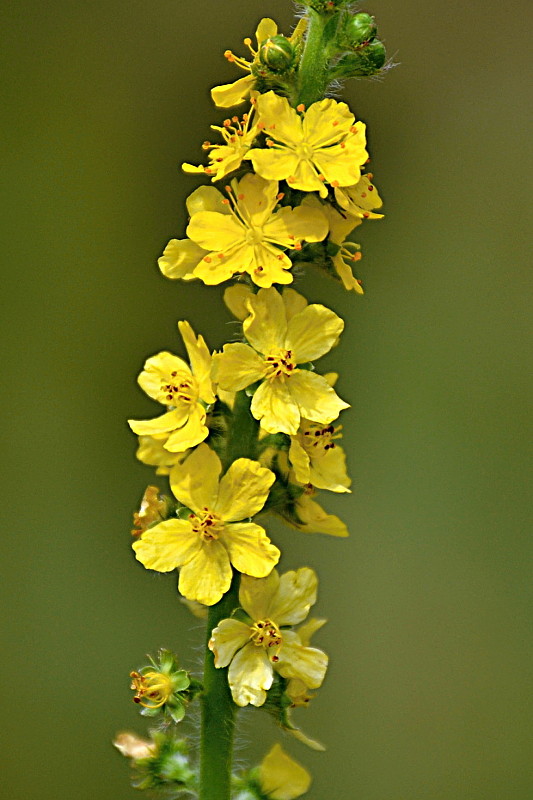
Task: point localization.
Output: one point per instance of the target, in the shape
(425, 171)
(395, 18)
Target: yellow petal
(294, 302)
(344, 271)
(327, 122)
(288, 224)
(231, 94)
(200, 360)
(208, 576)
(313, 332)
(195, 482)
(255, 594)
(228, 637)
(316, 400)
(306, 663)
(360, 199)
(307, 631)
(133, 746)
(179, 259)
(214, 231)
(274, 165)
(206, 198)
(281, 777)
(250, 675)
(163, 424)
(236, 298)
(243, 490)
(256, 199)
(300, 461)
(274, 406)
(250, 549)
(295, 595)
(315, 520)
(167, 545)
(238, 366)
(151, 451)
(189, 435)
(277, 111)
(328, 471)
(266, 326)
(266, 28)
(269, 266)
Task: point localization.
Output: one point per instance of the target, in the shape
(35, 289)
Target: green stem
(218, 711)
(313, 71)
(218, 708)
(242, 440)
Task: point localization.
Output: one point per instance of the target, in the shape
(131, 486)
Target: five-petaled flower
(253, 236)
(312, 148)
(255, 648)
(277, 345)
(212, 537)
(224, 158)
(184, 390)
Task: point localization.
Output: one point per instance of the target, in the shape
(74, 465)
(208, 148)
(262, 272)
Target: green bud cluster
(167, 770)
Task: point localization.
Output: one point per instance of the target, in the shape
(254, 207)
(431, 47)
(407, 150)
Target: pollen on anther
(226, 201)
(220, 255)
(240, 196)
(300, 107)
(335, 184)
(207, 259)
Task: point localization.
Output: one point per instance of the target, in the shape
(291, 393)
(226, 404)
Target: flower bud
(277, 53)
(360, 28)
(367, 60)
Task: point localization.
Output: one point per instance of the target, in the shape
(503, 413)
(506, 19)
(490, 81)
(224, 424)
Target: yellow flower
(181, 256)
(282, 778)
(313, 519)
(252, 237)
(152, 509)
(309, 149)
(317, 459)
(225, 158)
(361, 199)
(184, 390)
(231, 94)
(212, 538)
(254, 650)
(296, 689)
(152, 689)
(276, 346)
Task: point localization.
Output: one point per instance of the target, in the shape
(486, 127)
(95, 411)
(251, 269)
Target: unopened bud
(277, 53)
(360, 28)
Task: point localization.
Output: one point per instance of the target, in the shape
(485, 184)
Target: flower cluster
(251, 431)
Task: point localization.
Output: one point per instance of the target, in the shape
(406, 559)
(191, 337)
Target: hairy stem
(218, 712)
(313, 72)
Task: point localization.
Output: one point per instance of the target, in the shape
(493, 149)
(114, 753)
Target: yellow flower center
(254, 235)
(179, 387)
(317, 440)
(152, 690)
(265, 633)
(279, 363)
(304, 151)
(207, 524)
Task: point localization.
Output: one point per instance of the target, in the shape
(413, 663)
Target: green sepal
(368, 60)
(357, 29)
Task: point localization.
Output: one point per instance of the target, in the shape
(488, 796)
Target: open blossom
(184, 390)
(312, 148)
(277, 345)
(316, 457)
(282, 778)
(212, 538)
(361, 199)
(254, 649)
(224, 158)
(252, 237)
(231, 94)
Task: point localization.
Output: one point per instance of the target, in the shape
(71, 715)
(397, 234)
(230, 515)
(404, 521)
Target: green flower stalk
(253, 430)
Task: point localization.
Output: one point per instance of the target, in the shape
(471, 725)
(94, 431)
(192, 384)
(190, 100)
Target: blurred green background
(429, 692)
